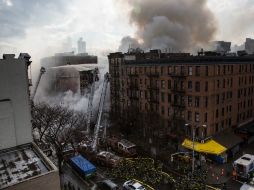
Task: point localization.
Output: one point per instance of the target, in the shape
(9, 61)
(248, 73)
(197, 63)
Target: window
(190, 85)
(182, 86)
(140, 70)
(197, 101)
(169, 70)
(140, 81)
(222, 125)
(162, 84)
(141, 94)
(162, 96)
(189, 101)
(218, 83)
(190, 71)
(197, 119)
(162, 70)
(169, 111)
(206, 71)
(197, 86)
(217, 127)
(218, 70)
(182, 70)
(169, 84)
(217, 99)
(189, 115)
(197, 70)
(206, 101)
(206, 86)
(223, 97)
(222, 112)
(169, 98)
(217, 113)
(205, 117)
(162, 110)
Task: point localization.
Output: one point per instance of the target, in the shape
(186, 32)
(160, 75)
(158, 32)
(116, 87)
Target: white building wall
(15, 114)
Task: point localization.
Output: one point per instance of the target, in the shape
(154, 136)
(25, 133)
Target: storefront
(211, 148)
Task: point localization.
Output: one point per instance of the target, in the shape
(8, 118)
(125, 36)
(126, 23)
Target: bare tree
(57, 126)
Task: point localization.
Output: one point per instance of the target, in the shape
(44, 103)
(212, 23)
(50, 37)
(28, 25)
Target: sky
(40, 27)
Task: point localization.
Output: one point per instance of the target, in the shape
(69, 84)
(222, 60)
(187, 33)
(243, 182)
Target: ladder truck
(42, 71)
(90, 103)
(100, 112)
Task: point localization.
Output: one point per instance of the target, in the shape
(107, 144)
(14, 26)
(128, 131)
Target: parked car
(133, 185)
(107, 159)
(123, 146)
(107, 185)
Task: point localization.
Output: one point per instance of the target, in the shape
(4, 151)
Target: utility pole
(193, 152)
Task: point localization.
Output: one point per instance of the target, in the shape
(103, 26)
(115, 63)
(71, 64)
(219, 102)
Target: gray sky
(41, 26)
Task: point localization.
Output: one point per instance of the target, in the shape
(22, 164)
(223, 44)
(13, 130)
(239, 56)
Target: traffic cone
(222, 172)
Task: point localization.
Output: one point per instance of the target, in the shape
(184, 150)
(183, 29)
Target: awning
(228, 139)
(209, 147)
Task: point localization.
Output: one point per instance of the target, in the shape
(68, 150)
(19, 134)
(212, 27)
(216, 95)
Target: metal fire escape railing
(90, 104)
(101, 106)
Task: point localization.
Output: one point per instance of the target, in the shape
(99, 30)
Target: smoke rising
(68, 99)
(179, 25)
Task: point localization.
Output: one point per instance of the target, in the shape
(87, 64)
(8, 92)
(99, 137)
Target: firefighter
(234, 174)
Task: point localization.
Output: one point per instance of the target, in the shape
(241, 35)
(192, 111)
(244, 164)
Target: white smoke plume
(179, 25)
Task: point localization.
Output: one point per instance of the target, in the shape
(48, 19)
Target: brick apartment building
(210, 92)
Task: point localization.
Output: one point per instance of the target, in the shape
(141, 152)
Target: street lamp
(193, 145)
(203, 127)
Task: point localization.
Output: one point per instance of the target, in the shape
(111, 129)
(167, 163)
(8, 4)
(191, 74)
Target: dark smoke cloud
(180, 25)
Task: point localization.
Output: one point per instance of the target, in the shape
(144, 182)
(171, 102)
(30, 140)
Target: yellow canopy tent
(208, 147)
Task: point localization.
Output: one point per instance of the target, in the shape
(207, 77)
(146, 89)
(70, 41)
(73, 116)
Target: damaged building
(75, 78)
(221, 47)
(68, 58)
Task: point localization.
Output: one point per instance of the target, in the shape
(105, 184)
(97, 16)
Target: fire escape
(134, 89)
(178, 92)
(153, 89)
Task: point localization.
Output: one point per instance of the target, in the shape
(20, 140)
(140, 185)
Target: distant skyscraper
(81, 46)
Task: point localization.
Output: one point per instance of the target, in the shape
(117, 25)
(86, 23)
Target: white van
(244, 165)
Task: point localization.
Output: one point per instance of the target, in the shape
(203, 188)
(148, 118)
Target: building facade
(23, 166)
(15, 117)
(210, 93)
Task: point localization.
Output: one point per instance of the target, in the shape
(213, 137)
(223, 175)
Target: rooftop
(157, 57)
(19, 164)
(246, 159)
(80, 68)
